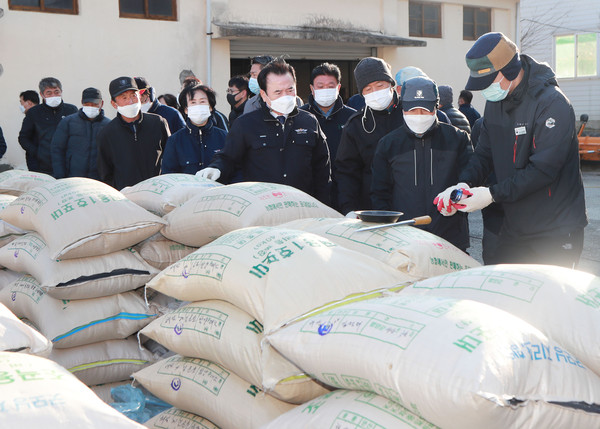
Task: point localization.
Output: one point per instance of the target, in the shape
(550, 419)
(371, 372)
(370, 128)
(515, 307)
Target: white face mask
(53, 101)
(146, 107)
(418, 124)
(284, 104)
(22, 108)
(131, 110)
(198, 113)
(91, 111)
(326, 97)
(379, 100)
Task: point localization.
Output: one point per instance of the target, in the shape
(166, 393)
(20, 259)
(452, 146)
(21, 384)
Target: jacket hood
(540, 75)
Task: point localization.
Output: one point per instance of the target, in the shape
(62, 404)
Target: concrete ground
(590, 258)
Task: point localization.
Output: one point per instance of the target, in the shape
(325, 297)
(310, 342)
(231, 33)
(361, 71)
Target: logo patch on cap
(550, 122)
(419, 94)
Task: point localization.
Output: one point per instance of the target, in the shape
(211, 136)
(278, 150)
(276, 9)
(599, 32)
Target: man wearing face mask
(150, 104)
(40, 124)
(528, 138)
(237, 96)
(415, 162)
(326, 104)
(278, 143)
(130, 147)
(193, 147)
(362, 132)
(74, 150)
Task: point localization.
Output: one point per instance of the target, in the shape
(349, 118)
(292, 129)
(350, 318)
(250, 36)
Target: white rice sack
(274, 274)
(38, 393)
(224, 334)
(79, 278)
(406, 248)
(161, 194)
(16, 336)
(82, 321)
(80, 217)
(218, 211)
(174, 418)
(211, 391)
(17, 182)
(8, 232)
(7, 277)
(160, 252)
(104, 362)
(455, 363)
(560, 302)
(349, 409)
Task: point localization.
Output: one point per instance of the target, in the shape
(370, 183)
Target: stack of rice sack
(493, 347)
(406, 248)
(243, 284)
(80, 275)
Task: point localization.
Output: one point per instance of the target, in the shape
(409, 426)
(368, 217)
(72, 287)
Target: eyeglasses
(231, 91)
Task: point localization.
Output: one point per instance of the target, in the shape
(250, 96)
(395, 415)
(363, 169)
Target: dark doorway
(303, 69)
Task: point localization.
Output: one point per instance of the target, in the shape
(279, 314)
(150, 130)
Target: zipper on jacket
(134, 132)
(431, 164)
(415, 161)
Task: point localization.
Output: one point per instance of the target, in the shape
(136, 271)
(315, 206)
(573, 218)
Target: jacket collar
(96, 119)
(206, 128)
(267, 112)
(316, 110)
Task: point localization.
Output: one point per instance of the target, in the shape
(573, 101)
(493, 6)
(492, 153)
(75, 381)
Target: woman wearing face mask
(420, 159)
(192, 148)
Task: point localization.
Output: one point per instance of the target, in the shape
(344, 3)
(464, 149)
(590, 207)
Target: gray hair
(49, 82)
(184, 75)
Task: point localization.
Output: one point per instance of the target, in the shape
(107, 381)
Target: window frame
(576, 74)
(42, 8)
(475, 9)
(146, 15)
(423, 5)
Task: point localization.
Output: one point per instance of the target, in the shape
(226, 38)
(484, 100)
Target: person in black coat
(74, 149)
(40, 124)
(456, 117)
(326, 104)
(464, 105)
(150, 104)
(237, 96)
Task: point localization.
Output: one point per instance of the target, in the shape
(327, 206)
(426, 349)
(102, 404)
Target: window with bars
(425, 19)
(476, 22)
(52, 6)
(148, 9)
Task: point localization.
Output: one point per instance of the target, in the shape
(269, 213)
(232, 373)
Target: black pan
(378, 216)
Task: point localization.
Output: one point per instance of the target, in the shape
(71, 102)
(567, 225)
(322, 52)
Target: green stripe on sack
(107, 362)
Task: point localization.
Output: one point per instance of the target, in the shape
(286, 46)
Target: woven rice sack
(38, 393)
(16, 336)
(74, 323)
(17, 182)
(174, 418)
(406, 248)
(224, 334)
(455, 363)
(161, 194)
(79, 217)
(79, 278)
(160, 252)
(209, 390)
(218, 211)
(8, 232)
(562, 303)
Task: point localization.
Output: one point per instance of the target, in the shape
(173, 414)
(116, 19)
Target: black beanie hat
(370, 70)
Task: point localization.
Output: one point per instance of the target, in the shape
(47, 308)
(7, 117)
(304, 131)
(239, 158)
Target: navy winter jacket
(173, 117)
(74, 150)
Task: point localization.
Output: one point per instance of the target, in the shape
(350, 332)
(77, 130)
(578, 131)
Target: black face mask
(231, 99)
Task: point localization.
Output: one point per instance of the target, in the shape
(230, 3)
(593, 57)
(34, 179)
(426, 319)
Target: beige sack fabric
(560, 302)
(79, 278)
(80, 217)
(74, 323)
(224, 334)
(160, 252)
(16, 336)
(38, 393)
(458, 364)
(161, 194)
(274, 274)
(211, 391)
(174, 418)
(406, 248)
(104, 362)
(349, 409)
(17, 182)
(218, 211)
(8, 232)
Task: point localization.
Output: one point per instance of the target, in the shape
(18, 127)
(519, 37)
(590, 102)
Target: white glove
(444, 205)
(209, 173)
(351, 215)
(480, 198)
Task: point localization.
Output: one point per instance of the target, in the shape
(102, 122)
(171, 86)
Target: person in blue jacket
(73, 148)
(192, 148)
